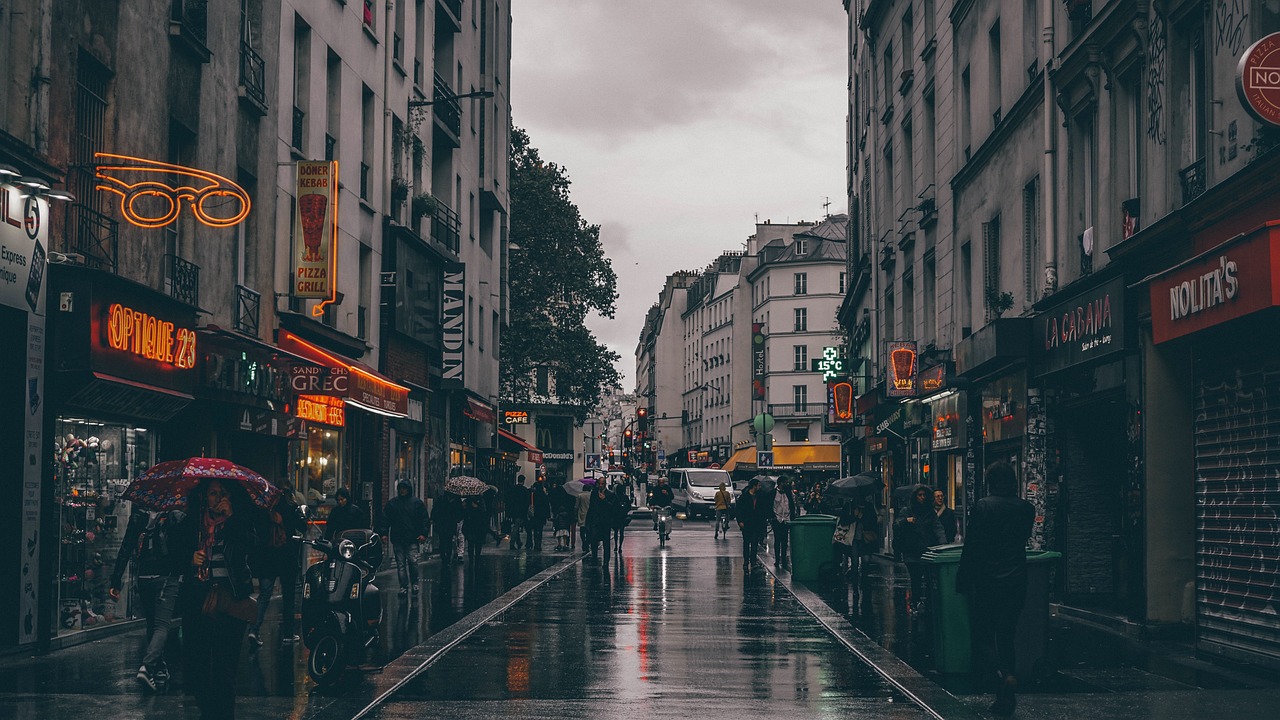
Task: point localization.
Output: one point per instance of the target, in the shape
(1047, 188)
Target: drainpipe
(1049, 179)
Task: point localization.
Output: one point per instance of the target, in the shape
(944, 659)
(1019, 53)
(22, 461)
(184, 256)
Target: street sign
(764, 458)
(593, 461)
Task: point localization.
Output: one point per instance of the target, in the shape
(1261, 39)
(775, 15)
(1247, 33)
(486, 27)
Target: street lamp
(445, 98)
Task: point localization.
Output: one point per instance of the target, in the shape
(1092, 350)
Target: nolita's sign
(1258, 79)
(147, 336)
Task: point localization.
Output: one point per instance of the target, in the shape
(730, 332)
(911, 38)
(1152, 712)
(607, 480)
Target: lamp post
(445, 98)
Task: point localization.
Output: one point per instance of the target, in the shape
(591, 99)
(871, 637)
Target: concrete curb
(905, 679)
(408, 666)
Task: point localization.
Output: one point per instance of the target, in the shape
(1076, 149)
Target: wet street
(657, 633)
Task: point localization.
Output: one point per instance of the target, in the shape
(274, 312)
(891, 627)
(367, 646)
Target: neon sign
(515, 417)
(902, 369)
(315, 233)
(151, 202)
(831, 364)
(322, 409)
(147, 336)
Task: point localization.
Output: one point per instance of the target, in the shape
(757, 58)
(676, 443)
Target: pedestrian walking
(517, 503)
(448, 513)
(753, 517)
(278, 558)
(581, 505)
(146, 545)
(562, 513)
(946, 517)
(621, 515)
(913, 534)
(213, 544)
(405, 523)
(600, 521)
(539, 513)
(346, 515)
(993, 574)
(724, 501)
(784, 511)
(475, 525)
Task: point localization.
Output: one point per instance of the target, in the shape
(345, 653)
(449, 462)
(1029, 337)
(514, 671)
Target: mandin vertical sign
(453, 326)
(315, 233)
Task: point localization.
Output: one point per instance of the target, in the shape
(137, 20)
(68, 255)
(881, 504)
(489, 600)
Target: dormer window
(802, 247)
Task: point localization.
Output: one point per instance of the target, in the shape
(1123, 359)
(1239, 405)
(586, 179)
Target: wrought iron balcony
(798, 410)
(253, 76)
(445, 226)
(248, 310)
(93, 236)
(299, 125)
(184, 280)
(445, 103)
(1193, 181)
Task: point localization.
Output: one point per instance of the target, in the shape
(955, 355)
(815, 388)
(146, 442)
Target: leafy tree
(558, 275)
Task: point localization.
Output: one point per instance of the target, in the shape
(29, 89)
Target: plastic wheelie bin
(811, 545)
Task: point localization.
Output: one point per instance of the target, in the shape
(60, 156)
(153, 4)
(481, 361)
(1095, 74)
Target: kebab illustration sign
(902, 368)
(315, 233)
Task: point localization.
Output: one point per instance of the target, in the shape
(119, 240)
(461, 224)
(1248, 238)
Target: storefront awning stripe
(480, 411)
(517, 440)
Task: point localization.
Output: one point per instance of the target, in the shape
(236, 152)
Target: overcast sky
(681, 121)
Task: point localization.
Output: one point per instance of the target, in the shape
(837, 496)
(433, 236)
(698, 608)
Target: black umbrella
(855, 486)
(768, 483)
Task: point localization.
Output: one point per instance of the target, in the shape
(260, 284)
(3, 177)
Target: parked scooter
(341, 608)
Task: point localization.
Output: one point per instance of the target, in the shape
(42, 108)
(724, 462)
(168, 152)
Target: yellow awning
(796, 457)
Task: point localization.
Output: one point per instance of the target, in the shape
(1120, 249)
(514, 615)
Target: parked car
(695, 490)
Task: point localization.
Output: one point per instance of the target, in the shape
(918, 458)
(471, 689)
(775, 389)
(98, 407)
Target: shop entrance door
(1093, 442)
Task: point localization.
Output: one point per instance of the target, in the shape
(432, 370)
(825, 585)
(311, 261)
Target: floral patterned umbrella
(466, 486)
(167, 485)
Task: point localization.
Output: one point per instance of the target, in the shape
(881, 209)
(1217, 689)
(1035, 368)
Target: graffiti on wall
(1230, 21)
(1157, 57)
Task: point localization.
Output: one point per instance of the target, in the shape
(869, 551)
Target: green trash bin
(952, 647)
(949, 610)
(811, 545)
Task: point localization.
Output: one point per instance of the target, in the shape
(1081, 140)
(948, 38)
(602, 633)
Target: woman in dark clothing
(561, 514)
(600, 520)
(946, 517)
(212, 546)
(475, 525)
(445, 517)
(279, 557)
(920, 530)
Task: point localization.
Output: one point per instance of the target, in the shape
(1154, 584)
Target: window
(890, 313)
(966, 289)
(888, 75)
(369, 130)
(966, 112)
(1031, 37)
(991, 263)
(908, 41)
(370, 10)
(802, 283)
(471, 319)
(993, 38)
(802, 247)
(926, 9)
(929, 303)
(1030, 239)
(890, 200)
(493, 328)
(333, 97)
(908, 164)
(842, 281)
(799, 434)
(799, 397)
(929, 138)
(908, 299)
(801, 320)
(800, 354)
(301, 82)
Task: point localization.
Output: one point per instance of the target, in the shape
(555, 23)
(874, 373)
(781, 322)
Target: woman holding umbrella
(213, 544)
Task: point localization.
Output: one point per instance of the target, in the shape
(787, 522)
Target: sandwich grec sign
(1258, 79)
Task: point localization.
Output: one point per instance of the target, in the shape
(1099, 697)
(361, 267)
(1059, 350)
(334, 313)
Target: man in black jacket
(146, 545)
(344, 516)
(517, 504)
(753, 512)
(404, 521)
(993, 574)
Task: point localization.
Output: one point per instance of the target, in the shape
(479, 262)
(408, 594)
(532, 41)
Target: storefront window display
(94, 462)
(317, 464)
(408, 459)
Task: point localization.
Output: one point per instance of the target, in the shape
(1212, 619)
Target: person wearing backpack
(279, 558)
(146, 547)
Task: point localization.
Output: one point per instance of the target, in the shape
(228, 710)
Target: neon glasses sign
(147, 336)
(152, 192)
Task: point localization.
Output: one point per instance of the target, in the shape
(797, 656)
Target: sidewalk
(1090, 672)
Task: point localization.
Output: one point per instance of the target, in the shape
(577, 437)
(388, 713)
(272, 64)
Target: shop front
(1090, 498)
(946, 436)
(122, 365)
(1220, 308)
(407, 439)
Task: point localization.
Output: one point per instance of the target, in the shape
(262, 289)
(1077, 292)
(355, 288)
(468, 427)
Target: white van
(695, 489)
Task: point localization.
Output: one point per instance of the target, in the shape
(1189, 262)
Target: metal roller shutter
(1237, 450)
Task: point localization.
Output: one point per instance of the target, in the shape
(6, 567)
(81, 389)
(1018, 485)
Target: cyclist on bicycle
(659, 497)
(723, 500)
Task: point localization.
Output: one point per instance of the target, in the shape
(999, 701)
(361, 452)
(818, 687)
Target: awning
(117, 396)
(795, 457)
(367, 389)
(518, 443)
(480, 411)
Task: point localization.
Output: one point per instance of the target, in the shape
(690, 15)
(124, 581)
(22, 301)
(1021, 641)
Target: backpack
(153, 544)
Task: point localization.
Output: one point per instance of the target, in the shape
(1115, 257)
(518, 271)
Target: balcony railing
(798, 410)
(184, 280)
(1193, 181)
(445, 226)
(93, 236)
(330, 147)
(253, 75)
(446, 106)
(248, 309)
(299, 123)
(364, 181)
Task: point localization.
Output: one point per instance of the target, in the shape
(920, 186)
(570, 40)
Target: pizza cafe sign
(146, 336)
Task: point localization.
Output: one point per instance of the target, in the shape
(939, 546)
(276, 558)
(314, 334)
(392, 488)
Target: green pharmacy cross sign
(831, 364)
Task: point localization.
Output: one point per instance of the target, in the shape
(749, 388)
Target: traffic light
(627, 438)
(642, 418)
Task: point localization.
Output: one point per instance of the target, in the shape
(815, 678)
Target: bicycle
(665, 517)
(722, 523)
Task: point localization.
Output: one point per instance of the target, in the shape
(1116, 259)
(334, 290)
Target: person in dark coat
(346, 515)
(146, 545)
(785, 509)
(404, 522)
(517, 503)
(475, 525)
(212, 546)
(621, 515)
(279, 557)
(600, 520)
(753, 511)
(540, 512)
(946, 517)
(562, 512)
(447, 515)
(993, 574)
(919, 531)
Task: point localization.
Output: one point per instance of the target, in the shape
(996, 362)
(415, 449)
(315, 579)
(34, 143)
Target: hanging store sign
(149, 197)
(1232, 280)
(515, 417)
(932, 380)
(142, 334)
(758, 368)
(840, 403)
(453, 326)
(831, 364)
(315, 233)
(1258, 79)
(1088, 327)
(901, 369)
(364, 387)
(24, 236)
(322, 409)
(315, 380)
